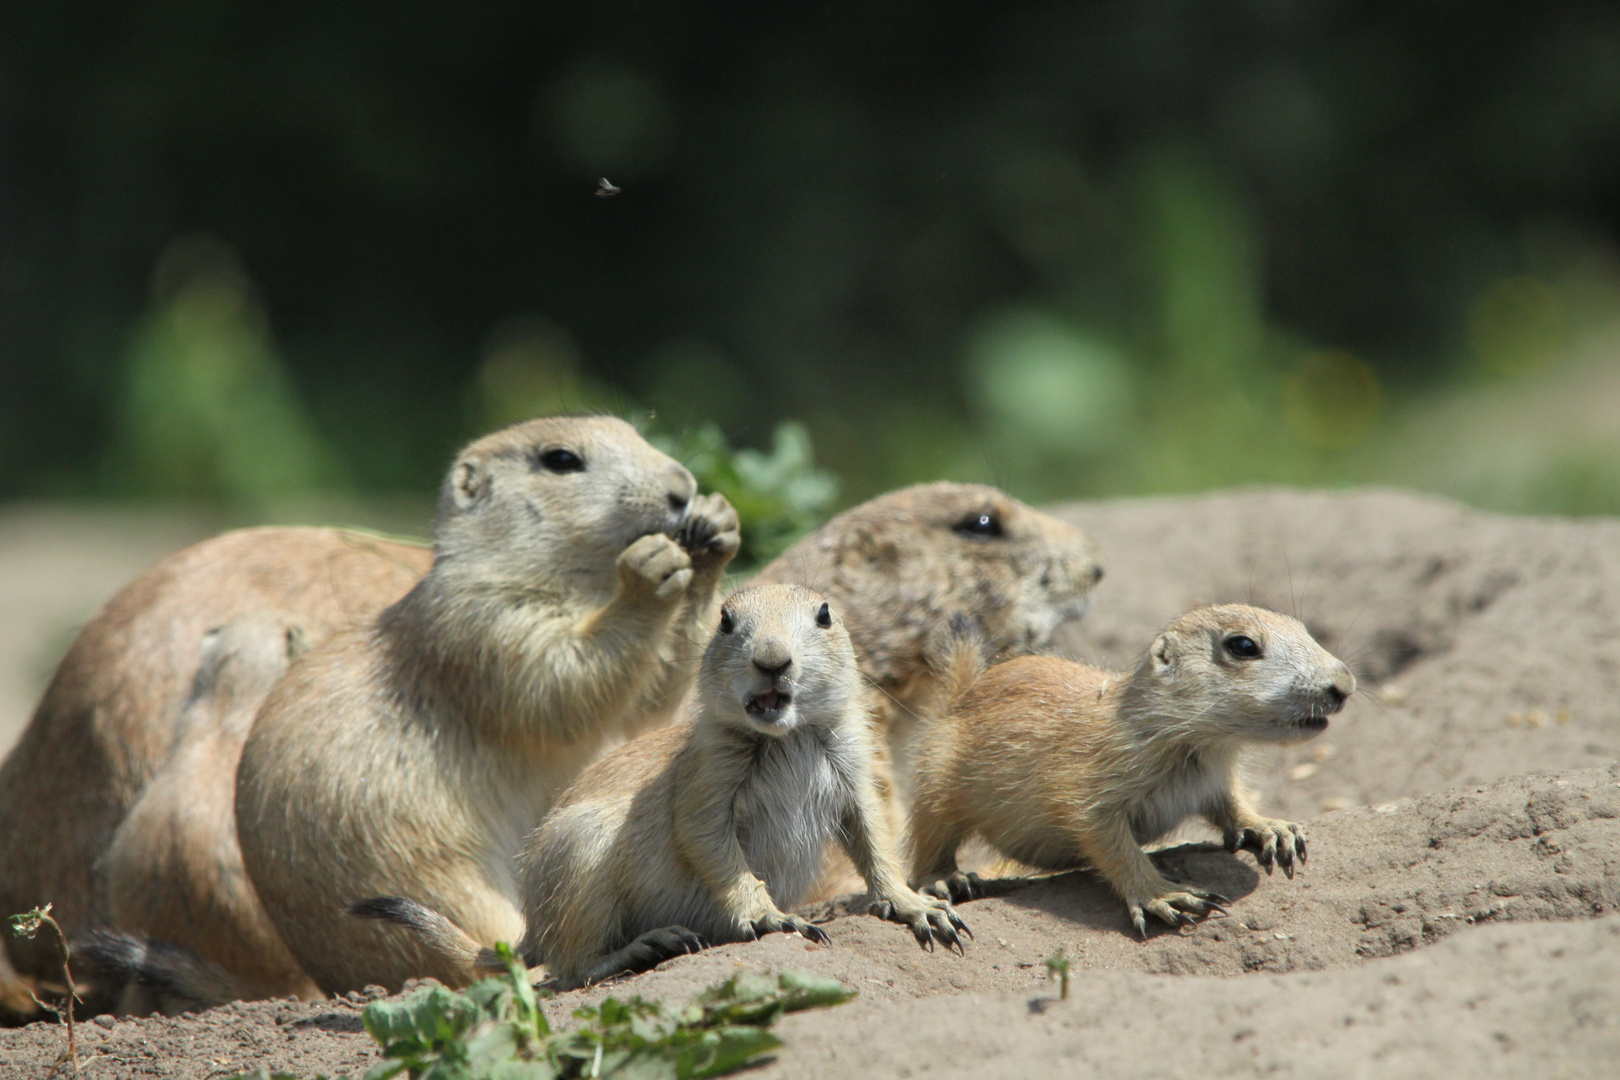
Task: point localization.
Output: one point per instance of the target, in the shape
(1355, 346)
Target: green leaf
(727, 1049)
(807, 990)
(428, 1020)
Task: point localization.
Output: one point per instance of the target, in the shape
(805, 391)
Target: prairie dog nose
(1343, 685)
(772, 657)
(681, 486)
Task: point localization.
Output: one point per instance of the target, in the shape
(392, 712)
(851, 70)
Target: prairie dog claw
(1272, 842)
(1177, 908)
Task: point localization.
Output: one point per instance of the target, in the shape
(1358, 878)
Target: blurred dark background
(249, 251)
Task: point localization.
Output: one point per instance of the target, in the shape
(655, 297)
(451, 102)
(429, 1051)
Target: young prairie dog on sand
(1057, 764)
(413, 755)
(707, 831)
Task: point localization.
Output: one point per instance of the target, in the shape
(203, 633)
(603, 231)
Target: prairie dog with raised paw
(710, 830)
(414, 753)
(1057, 764)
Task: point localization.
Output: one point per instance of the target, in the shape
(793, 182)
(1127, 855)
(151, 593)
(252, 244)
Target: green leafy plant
(779, 496)
(27, 925)
(496, 1030)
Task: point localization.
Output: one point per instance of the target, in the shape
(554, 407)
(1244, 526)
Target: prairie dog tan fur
(713, 828)
(412, 755)
(900, 565)
(173, 870)
(1057, 764)
(706, 831)
(118, 695)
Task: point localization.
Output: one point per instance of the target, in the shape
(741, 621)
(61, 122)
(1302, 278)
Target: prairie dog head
(779, 659)
(905, 562)
(239, 663)
(557, 496)
(1243, 672)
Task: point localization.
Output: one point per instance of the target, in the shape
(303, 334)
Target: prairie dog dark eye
(561, 461)
(727, 623)
(983, 525)
(824, 616)
(1242, 648)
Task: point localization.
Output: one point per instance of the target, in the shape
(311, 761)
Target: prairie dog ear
(469, 483)
(1164, 653)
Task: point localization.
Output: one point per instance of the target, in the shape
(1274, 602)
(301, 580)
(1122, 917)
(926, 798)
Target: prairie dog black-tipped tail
(957, 654)
(158, 976)
(434, 931)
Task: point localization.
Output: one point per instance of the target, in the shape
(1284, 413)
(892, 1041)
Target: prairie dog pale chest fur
(1057, 764)
(412, 755)
(705, 832)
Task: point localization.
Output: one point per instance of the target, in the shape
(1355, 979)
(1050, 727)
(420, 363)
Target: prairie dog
(892, 567)
(1057, 764)
(709, 830)
(173, 870)
(107, 721)
(704, 832)
(413, 754)
(900, 565)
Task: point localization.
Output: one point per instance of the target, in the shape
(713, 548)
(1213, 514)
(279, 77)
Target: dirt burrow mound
(1486, 646)
(1496, 1002)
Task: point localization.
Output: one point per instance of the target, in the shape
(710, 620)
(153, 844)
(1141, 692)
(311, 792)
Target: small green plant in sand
(1057, 967)
(27, 925)
(496, 1030)
(779, 496)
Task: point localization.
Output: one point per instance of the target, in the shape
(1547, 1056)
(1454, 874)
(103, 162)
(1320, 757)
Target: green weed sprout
(27, 925)
(1057, 966)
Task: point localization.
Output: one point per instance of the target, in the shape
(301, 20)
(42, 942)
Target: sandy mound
(1491, 650)
(1490, 645)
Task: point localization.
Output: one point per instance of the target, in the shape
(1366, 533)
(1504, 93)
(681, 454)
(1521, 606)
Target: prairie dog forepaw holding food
(656, 567)
(710, 534)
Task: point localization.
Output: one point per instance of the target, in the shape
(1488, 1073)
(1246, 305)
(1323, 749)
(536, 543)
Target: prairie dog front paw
(778, 922)
(929, 918)
(710, 533)
(655, 568)
(1272, 841)
(1176, 905)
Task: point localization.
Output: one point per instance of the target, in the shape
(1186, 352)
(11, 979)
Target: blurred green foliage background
(253, 251)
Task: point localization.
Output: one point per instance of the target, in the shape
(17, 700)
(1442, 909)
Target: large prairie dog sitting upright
(414, 754)
(1057, 764)
(707, 831)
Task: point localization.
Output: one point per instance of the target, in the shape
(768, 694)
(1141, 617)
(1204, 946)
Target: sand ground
(1464, 813)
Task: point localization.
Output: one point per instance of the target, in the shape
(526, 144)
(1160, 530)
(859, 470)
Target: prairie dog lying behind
(706, 831)
(1057, 764)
